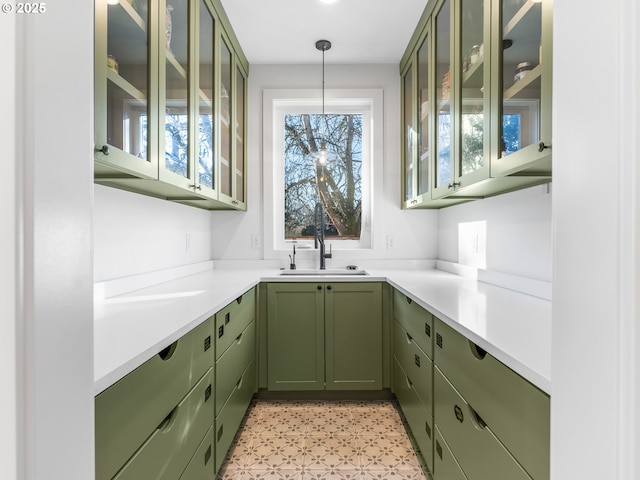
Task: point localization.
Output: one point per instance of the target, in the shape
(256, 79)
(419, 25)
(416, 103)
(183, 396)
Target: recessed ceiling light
(328, 1)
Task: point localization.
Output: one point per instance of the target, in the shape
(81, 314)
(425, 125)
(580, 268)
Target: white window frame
(277, 103)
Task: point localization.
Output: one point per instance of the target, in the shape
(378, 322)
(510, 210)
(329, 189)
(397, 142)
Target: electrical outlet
(391, 242)
(255, 241)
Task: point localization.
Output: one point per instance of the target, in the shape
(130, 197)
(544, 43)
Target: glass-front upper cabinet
(239, 183)
(176, 86)
(524, 89)
(226, 139)
(205, 138)
(123, 88)
(444, 144)
(408, 136)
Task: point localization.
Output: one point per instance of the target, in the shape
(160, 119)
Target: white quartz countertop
(131, 328)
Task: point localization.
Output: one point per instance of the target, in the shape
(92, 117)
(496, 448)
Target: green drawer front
(165, 455)
(415, 320)
(478, 451)
(130, 410)
(517, 411)
(233, 319)
(415, 362)
(201, 465)
(229, 419)
(418, 415)
(231, 366)
(446, 467)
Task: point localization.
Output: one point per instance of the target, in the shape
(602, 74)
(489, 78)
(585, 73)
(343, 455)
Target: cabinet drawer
(165, 455)
(233, 319)
(478, 451)
(415, 320)
(414, 362)
(418, 415)
(232, 364)
(129, 411)
(446, 467)
(201, 465)
(517, 411)
(230, 417)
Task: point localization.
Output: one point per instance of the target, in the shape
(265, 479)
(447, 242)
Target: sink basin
(323, 273)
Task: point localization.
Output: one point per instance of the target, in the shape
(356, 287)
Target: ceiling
(361, 31)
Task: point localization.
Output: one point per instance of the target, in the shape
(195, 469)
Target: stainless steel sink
(323, 273)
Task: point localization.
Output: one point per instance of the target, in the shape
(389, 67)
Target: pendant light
(322, 156)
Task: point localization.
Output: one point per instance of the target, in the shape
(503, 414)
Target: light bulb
(322, 159)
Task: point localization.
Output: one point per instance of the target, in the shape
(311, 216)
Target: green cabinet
(170, 102)
(324, 336)
(476, 101)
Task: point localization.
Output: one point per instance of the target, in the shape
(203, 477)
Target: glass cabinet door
(122, 89)
(226, 139)
(525, 91)
(206, 65)
(424, 124)
(175, 85)
(408, 133)
(444, 145)
(239, 177)
(473, 114)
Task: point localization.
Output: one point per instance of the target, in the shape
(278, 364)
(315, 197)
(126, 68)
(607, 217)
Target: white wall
(415, 231)
(518, 229)
(138, 234)
(595, 403)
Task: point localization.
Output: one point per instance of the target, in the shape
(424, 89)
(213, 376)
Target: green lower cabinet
(353, 346)
(477, 450)
(445, 465)
(201, 465)
(167, 452)
(324, 336)
(418, 415)
(295, 332)
(230, 416)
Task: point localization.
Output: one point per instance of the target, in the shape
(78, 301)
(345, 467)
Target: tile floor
(306, 440)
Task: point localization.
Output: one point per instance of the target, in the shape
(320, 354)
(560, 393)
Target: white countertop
(131, 328)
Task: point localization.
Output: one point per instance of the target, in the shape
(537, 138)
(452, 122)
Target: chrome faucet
(318, 235)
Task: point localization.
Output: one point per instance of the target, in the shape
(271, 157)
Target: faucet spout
(318, 235)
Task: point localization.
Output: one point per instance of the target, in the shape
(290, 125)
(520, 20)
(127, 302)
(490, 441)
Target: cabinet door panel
(295, 329)
(414, 362)
(517, 411)
(415, 320)
(233, 319)
(353, 316)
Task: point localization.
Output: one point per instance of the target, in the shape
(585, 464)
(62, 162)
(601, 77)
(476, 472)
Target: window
(335, 183)
(294, 185)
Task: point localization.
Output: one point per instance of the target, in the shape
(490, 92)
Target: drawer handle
(207, 455)
(409, 301)
(239, 300)
(207, 343)
(477, 351)
(439, 449)
(417, 360)
(459, 415)
(220, 432)
(476, 420)
(220, 331)
(207, 394)
(427, 429)
(439, 340)
(169, 421)
(409, 382)
(239, 339)
(427, 329)
(409, 338)
(166, 353)
(239, 382)
(227, 318)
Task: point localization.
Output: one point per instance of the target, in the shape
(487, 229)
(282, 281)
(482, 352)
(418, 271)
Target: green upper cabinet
(476, 101)
(166, 107)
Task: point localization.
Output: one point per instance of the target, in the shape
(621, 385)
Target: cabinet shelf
(173, 61)
(517, 20)
(124, 85)
(123, 15)
(473, 72)
(533, 76)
